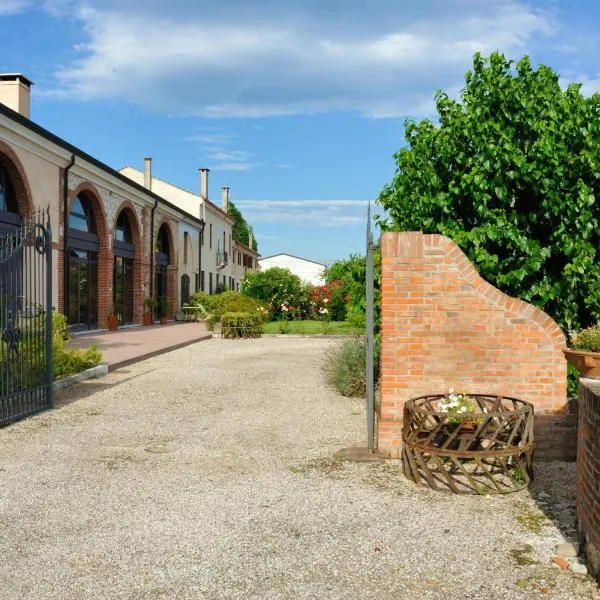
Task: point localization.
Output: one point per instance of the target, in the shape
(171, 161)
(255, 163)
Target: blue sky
(298, 106)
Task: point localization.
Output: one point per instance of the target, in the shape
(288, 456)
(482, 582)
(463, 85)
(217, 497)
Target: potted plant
(164, 307)
(150, 304)
(113, 320)
(584, 352)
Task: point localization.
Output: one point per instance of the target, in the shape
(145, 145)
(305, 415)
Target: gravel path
(209, 473)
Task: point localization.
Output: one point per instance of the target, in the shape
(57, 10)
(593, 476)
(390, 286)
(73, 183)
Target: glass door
(83, 289)
(123, 289)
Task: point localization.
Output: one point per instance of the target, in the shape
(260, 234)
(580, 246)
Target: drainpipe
(65, 200)
(152, 249)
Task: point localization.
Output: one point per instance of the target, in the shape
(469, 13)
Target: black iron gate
(26, 319)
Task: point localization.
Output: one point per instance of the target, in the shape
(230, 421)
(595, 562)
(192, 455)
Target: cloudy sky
(296, 105)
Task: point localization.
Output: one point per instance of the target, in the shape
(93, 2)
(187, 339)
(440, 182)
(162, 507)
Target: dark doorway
(84, 246)
(163, 259)
(123, 272)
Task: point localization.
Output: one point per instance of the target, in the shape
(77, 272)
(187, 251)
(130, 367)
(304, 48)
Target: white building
(309, 271)
(224, 261)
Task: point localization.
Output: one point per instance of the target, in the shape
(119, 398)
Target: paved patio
(128, 345)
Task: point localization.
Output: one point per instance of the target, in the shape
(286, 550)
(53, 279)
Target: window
(210, 236)
(8, 201)
(186, 239)
(202, 281)
(81, 217)
(196, 282)
(185, 289)
(217, 282)
(210, 288)
(239, 258)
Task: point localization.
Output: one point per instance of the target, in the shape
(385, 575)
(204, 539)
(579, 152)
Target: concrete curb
(93, 373)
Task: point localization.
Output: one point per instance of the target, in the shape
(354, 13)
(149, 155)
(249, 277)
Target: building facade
(118, 237)
(309, 271)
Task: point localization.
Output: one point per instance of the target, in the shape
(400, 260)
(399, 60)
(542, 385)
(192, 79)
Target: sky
(298, 106)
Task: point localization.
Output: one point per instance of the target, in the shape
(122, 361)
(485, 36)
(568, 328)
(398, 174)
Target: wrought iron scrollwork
(11, 337)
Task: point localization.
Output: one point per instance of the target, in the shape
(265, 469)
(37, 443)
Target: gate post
(48, 234)
(369, 338)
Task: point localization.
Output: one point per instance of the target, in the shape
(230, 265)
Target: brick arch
(105, 256)
(138, 284)
(10, 161)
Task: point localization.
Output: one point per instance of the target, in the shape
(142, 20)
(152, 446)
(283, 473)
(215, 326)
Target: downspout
(65, 200)
(152, 249)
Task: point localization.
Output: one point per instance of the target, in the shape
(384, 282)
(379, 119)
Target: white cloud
(267, 57)
(13, 7)
(313, 213)
(219, 154)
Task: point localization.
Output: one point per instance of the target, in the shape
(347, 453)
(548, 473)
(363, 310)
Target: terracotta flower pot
(113, 322)
(587, 363)
(163, 320)
(147, 318)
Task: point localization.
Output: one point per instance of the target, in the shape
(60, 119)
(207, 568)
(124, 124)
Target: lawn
(312, 328)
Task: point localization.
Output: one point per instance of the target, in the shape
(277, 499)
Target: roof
(292, 256)
(236, 243)
(16, 77)
(210, 204)
(35, 128)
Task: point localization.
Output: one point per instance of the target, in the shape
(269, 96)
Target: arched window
(81, 217)
(122, 229)
(84, 246)
(8, 199)
(9, 214)
(163, 249)
(123, 267)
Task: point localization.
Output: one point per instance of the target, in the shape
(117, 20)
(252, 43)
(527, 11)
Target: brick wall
(443, 326)
(588, 472)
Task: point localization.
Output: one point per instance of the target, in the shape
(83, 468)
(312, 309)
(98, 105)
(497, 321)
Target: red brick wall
(588, 472)
(443, 326)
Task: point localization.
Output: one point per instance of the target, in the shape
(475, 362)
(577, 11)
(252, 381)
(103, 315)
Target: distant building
(308, 270)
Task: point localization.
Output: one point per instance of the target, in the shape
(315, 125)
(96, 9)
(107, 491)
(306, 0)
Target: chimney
(204, 183)
(148, 173)
(225, 198)
(15, 92)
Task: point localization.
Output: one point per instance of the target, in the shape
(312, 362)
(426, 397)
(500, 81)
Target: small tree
(511, 173)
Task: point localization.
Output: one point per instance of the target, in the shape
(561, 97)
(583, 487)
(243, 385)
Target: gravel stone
(210, 473)
(579, 568)
(568, 550)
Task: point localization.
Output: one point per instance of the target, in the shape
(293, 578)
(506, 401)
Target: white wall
(307, 270)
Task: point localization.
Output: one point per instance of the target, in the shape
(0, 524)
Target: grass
(312, 328)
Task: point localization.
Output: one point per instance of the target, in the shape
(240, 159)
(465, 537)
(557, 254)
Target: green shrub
(31, 370)
(68, 361)
(587, 340)
(235, 325)
(279, 290)
(219, 304)
(346, 368)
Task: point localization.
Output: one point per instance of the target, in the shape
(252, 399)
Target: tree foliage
(241, 229)
(511, 172)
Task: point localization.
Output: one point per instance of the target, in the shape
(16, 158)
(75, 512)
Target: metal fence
(26, 319)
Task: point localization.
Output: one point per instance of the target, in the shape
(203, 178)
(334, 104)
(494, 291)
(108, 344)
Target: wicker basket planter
(487, 451)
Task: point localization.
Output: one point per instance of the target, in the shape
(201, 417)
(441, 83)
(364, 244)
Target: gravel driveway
(208, 472)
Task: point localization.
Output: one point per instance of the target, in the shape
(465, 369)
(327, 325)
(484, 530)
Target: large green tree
(241, 228)
(511, 172)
